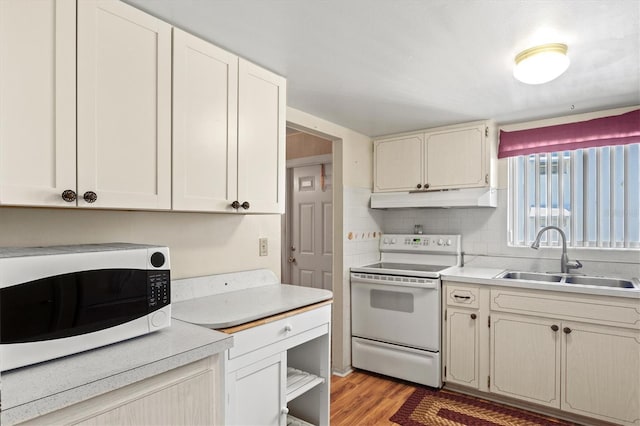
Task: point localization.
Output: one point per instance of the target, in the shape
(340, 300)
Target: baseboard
(342, 373)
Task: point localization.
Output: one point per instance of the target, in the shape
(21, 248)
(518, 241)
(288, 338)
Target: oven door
(399, 310)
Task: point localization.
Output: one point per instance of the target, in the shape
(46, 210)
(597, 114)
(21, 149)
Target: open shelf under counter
(299, 382)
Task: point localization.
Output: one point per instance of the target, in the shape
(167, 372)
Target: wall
(199, 243)
(352, 180)
(302, 144)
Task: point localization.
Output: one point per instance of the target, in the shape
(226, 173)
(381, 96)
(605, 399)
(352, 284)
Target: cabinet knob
(473, 316)
(566, 330)
(288, 328)
(69, 195)
(426, 186)
(284, 410)
(554, 327)
(246, 205)
(90, 197)
(419, 186)
(235, 205)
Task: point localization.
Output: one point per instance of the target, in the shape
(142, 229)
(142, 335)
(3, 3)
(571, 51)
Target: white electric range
(396, 307)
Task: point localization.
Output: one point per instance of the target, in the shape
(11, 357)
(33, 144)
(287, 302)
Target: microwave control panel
(159, 292)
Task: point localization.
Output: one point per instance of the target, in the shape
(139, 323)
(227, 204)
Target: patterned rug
(435, 408)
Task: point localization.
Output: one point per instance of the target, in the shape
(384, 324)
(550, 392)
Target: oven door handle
(424, 283)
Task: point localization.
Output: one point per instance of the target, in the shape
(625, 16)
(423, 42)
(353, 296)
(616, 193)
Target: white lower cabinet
(278, 370)
(576, 353)
(183, 396)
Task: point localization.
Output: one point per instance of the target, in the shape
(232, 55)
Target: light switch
(264, 246)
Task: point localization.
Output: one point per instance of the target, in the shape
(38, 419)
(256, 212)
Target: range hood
(471, 197)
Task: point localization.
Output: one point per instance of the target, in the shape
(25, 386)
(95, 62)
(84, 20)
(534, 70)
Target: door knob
(69, 195)
(245, 205)
(291, 259)
(90, 197)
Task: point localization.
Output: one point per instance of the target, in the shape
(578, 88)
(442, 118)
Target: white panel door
(456, 158)
(525, 358)
(37, 101)
(256, 393)
(205, 117)
(398, 164)
(312, 226)
(601, 372)
(261, 139)
(462, 358)
(124, 106)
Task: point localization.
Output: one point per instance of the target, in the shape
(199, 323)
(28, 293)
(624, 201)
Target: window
(593, 194)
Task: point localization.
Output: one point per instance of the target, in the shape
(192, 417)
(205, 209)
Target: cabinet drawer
(585, 308)
(462, 296)
(251, 339)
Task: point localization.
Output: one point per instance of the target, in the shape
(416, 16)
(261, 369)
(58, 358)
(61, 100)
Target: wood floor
(366, 399)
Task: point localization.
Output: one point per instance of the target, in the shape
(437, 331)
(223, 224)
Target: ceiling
(386, 66)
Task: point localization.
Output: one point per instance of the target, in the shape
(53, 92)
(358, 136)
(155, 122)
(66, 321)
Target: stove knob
(440, 242)
(393, 241)
(385, 241)
(449, 242)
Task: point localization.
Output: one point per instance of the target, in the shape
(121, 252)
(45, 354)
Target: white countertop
(486, 276)
(42, 388)
(248, 304)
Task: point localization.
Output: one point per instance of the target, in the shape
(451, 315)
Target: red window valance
(615, 130)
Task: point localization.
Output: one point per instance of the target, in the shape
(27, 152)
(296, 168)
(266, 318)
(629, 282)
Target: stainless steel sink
(530, 276)
(600, 282)
(571, 279)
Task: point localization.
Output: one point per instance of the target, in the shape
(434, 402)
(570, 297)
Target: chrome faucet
(565, 264)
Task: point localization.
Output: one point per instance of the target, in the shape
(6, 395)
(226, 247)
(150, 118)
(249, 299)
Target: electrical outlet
(264, 246)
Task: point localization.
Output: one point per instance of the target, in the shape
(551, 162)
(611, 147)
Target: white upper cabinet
(453, 157)
(124, 107)
(37, 102)
(205, 118)
(262, 97)
(398, 163)
(456, 159)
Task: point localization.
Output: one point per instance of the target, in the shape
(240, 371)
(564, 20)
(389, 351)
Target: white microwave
(60, 300)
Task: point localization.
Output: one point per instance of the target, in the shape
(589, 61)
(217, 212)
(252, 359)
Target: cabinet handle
(284, 410)
(419, 186)
(554, 327)
(426, 186)
(566, 330)
(462, 297)
(69, 195)
(235, 205)
(288, 328)
(90, 197)
(246, 205)
(473, 316)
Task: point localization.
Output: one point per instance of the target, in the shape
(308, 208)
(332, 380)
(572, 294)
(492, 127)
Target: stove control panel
(421, 243)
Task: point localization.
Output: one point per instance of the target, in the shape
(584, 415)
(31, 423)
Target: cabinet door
(525, 358)
(37, 101)
(124, 106)
(256, 393)
(601, 372)
(462, 347)
(261, 136)
(456, 158)
(205, 116)
(398, 164)
(185, 403)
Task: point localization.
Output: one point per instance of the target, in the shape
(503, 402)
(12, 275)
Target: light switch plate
(264, 246)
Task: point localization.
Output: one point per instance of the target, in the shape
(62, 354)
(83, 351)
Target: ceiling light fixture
(541, 64)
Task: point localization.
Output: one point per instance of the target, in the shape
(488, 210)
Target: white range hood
(471, 197)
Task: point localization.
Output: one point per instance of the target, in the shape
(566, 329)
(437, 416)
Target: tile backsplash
(484, 240)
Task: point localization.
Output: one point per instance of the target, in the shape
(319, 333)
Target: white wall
(199, 243)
